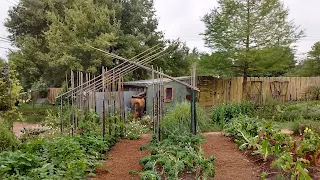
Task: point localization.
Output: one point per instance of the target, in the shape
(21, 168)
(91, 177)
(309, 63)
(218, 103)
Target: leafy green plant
(63, 157)
(296, 170)
(243, 128)
(175, 155)
(223, 114)
(310, 146)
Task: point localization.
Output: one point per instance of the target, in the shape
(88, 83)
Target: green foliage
(292, 157)
(296, 111)
(56, 39)
(245, 130)
(41, 87)
(9, 117)
(294, 170)
(7, 139)
(175, 155)
(311, 65)
(58, 158)
(35, 113)
(9, 88)
(177, 120)
(291, 111)
(310, 146)
(254, 37)
(225, 112)
(313, 93)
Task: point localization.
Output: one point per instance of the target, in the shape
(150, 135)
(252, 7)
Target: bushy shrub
(313, 93)
(224, 113)
(41, 87)
(178, 120)
(295, 111)
(7, 139)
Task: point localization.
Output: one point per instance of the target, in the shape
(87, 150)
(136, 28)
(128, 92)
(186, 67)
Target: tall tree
(311, 65)
(244, 29)
(53, 36)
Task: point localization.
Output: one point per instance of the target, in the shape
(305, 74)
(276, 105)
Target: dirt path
(230, 163)
(122, 158)
(18, 126)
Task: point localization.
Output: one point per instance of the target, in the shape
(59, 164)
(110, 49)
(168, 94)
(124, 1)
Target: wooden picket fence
(215, 91)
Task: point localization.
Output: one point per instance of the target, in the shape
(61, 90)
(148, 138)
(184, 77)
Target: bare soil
(122, 158)
(18, 126)
(230, 163)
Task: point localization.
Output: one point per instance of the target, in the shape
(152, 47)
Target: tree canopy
(311, 65)
(253, 36)
(54, 37)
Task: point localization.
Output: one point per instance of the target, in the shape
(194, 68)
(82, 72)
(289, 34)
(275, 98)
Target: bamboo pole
(123, 64)
(146, 68)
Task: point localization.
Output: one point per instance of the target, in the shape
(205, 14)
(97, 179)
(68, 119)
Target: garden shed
(173, 92)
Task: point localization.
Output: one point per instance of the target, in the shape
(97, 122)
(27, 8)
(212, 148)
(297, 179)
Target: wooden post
(153, 103)
(103, 119)
(193, 103)
(61, 115)
(103, 102)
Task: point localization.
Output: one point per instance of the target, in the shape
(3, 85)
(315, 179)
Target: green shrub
(225, 112)
(313, 93)
(175, 155)
(268, 109)
(7, 139)
(295, 111)
(178, 120)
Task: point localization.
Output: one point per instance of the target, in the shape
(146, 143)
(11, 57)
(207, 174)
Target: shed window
(168, 95)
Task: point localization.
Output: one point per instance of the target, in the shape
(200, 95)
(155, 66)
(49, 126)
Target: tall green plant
(225, 112)
(178, 120)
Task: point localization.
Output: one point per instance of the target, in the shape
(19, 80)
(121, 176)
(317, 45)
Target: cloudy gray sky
(181, 19)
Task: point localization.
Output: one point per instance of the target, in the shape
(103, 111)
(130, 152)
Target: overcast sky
(181, 19)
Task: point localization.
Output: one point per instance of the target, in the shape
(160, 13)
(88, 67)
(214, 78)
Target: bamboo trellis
(84, 87)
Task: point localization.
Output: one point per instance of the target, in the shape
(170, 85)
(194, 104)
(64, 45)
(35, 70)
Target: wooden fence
(53, 93)
(215, 91)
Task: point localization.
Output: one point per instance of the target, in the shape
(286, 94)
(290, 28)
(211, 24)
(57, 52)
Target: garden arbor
(85, 86)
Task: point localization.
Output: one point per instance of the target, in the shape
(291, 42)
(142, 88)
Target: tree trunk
(244, 84)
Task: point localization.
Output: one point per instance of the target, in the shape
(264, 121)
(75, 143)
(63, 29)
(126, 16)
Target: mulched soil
(230, 163)
(122, 158)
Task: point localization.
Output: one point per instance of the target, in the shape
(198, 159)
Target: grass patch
(35, 113)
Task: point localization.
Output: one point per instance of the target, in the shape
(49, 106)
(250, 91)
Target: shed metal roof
(148, 82)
